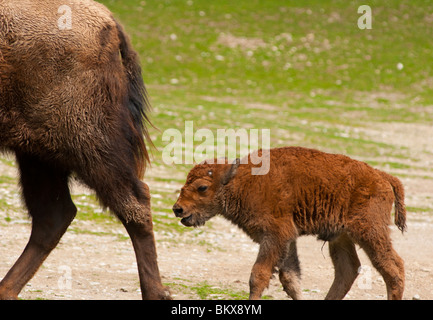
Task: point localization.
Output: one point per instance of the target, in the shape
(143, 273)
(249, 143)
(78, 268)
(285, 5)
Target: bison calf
(306, 192)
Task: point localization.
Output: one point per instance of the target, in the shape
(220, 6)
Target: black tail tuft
(138, 103)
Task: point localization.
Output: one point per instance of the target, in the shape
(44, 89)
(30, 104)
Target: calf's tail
(400, 210)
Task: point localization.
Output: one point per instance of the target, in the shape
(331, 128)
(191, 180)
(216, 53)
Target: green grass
(224, 64)
(417, 209)
(337, 51)
(89, 209)
(207, 291)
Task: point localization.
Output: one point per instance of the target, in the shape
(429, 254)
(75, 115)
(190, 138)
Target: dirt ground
(97, 265)
(102, 267)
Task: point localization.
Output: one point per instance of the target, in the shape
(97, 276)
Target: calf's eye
(202, 188)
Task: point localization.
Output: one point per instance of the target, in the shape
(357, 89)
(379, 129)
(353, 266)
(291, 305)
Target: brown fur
(306, 192)
(73, 102)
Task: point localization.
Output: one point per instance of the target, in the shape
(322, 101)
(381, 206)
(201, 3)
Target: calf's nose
(177, 209)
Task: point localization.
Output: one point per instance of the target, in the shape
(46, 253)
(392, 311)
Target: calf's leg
(290, 272)
(373, 235)
(46, 194)
(387, 262)
(346, 264)
(270, 252)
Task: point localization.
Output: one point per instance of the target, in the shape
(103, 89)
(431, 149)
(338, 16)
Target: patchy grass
(300, 70)
(205, 291)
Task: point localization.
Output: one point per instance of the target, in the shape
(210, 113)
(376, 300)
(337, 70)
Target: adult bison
(306, 192)
(72, 100)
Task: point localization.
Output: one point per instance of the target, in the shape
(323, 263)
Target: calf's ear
(231, 172)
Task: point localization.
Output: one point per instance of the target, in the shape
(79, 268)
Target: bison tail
(137, 102)
(400, 210)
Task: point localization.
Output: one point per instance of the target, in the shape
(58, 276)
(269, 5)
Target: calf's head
(198, 200)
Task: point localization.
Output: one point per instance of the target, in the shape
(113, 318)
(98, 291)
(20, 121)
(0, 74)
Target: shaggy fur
(306, 192)
(73, 101)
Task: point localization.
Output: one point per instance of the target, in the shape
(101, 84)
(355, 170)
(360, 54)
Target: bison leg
(140, 229)
(144, 245)
(119, 189)
(346, 264)
(46, 194)
(290, 272)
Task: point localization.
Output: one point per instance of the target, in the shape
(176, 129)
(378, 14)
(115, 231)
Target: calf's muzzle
(178, 210)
